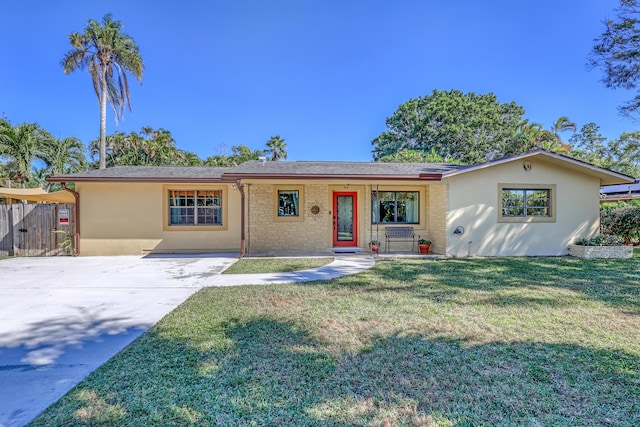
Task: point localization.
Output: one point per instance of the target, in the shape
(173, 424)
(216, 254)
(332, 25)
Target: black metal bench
(399, 234)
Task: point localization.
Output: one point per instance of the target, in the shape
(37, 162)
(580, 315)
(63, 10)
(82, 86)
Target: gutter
(76, 218)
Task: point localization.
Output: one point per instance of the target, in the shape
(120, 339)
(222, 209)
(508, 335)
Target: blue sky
(323, 75)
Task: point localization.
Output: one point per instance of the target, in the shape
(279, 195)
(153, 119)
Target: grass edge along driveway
(496, 341)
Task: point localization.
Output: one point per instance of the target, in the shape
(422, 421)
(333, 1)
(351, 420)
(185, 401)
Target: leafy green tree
(277, 148)
(617, 52)
(621, 154)
(624, 153)
(469, 128)
(20, 145)
(589, 145)
(109, 55)
(415, 156)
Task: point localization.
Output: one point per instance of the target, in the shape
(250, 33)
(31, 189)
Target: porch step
(346, 250)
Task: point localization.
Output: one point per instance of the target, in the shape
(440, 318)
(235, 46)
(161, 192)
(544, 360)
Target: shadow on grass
(273, 373)
(615, 282)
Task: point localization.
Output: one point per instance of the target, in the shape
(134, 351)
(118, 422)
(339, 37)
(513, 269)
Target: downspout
(242, 239)
(76, 218)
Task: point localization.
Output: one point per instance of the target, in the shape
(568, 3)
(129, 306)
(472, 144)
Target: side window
(526, 203)
(395, 207)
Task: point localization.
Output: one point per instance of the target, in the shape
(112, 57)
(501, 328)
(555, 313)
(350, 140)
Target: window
(195, 207)
(288, 203)
(527, 203)
(395, 207)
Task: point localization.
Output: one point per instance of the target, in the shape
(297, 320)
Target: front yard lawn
(275, 265)
(498, 341)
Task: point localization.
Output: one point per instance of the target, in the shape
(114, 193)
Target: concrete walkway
(63, 317)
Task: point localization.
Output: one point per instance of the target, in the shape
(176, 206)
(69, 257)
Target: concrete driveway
(62, 317)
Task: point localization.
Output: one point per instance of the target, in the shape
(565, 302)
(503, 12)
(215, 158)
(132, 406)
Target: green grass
(450, 342)
(275, 265)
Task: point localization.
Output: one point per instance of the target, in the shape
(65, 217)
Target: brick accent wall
(314, 232)
(437, 217)
(311, 232)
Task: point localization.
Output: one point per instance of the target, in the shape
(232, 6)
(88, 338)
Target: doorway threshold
(346, 250)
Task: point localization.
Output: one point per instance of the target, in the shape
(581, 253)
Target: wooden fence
(39, 229)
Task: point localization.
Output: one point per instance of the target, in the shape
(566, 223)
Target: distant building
(620, 192)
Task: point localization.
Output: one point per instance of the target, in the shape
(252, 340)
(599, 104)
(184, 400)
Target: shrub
(622, 221)
(600, 240)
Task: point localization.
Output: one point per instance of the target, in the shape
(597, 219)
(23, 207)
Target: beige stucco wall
(314, 232)
(473, 204)
(128, 218)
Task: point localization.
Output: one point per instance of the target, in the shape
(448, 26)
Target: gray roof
(255, 168)
(146, 173)
(327, 170)
(365, 169)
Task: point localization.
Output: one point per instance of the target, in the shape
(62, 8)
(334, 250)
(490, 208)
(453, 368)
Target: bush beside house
(623, 221)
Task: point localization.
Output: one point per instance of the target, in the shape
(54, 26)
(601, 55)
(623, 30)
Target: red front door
(345, 219)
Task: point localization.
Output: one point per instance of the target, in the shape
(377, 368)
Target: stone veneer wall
(266, 233)
(601, 251)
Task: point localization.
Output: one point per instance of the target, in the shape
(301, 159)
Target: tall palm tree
(108, 55)
(277, 148)
(20, 145)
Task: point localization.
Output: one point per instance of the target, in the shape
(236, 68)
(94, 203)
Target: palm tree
(108, 55)
(277, 148)
(63, 156)
(531, 135)
(19, 146)
(561, 125)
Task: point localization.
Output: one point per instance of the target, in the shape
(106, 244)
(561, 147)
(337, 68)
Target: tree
(563, 124)
(239, 154)
(469, 128)
(415, 156)
(589, 145)
(530, 135)
(621, 154)
(108, 55)
(617, 52)
(152, 147)
(624, 153)
(20, 145)
(63, 156)
(277, 148)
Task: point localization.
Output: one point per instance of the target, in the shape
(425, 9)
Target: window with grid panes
(522, 202)
(195, 207)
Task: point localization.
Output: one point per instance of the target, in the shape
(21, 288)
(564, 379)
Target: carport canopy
(37, 195)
